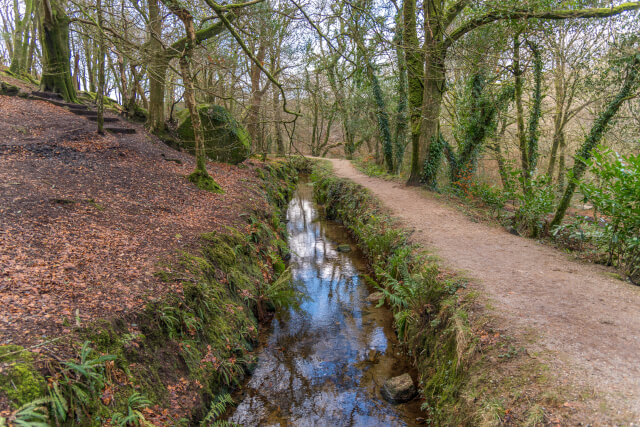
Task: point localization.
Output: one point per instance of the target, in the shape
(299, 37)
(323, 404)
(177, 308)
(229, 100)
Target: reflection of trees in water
(311, 366)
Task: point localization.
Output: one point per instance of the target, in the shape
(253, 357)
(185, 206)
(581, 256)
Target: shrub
(494, 197)
(615, 193)
(535, 204)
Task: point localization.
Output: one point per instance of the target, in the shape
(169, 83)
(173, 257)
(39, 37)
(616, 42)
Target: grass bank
(175, 361)
(470, 374)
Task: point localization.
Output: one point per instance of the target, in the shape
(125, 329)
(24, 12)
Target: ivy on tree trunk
(595, 135)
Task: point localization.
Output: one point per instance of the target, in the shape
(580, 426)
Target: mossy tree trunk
(595, 135)
(32, 44)
(21, 37)
(254, 123)
(101, 71)
(415, 72)
(277, 120)
(400, 135)
(54, 39)
(157, 69)
(522, 136)
(200, 176)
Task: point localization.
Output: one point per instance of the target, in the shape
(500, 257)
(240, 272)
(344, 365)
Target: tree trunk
(558, 118)
(76, 70)
(253, 118)
(157, 70)
(88, 57)
(101, 71)
(399, 139)
(54, 39)
(432, 101)
(32, 44)
(126, 95)
(190, 101)
(277, 119)
(21, 37)
(415, 72)
(383, 120)
(536, 110)
(561, 162)
(595, 135)
(522, 137)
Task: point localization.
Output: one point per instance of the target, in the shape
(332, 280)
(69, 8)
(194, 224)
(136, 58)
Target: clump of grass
(204, 181)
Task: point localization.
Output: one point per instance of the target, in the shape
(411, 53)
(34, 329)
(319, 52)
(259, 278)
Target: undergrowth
(184, 352)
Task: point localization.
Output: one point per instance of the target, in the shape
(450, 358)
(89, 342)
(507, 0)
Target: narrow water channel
(324, 364)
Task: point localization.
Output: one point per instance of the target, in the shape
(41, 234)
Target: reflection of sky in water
(311, 369)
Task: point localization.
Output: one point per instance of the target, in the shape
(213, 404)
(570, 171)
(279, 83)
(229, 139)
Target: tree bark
(277, 119)
(522, 137)
(558, 116)
(21, 37)
(400, 136)
(54, 39)
(32, 45)
(415, 73)
(101, 70)
(157, 70)
(254, 127)
(595, 135)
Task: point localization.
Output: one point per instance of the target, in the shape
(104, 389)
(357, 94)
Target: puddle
(324, 364)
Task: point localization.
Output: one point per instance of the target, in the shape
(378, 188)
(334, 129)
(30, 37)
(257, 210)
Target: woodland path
(586, 323)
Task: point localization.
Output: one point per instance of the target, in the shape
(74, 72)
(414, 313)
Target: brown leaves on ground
(85, 220)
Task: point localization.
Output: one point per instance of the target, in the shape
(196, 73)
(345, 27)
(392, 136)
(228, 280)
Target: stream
(324, 363)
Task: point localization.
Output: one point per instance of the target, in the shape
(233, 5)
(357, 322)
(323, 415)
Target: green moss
(19, 380)
(8, 89)
(203, 181)
(137, 113)
(225, 139)
(218, 249)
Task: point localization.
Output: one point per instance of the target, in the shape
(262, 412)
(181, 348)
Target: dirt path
(587, 323)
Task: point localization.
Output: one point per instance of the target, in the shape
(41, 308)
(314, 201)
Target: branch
(320, 33)
(239, 5)
(202, 35)
(108, 30)
(501, 15)
(219, 10)
(453, 11)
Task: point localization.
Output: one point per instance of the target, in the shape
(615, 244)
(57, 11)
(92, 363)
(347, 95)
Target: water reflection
(321, 366)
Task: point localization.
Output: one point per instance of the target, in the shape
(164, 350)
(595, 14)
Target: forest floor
(86, 220)
(577, 318)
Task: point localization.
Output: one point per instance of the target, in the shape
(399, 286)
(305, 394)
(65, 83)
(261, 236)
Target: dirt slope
(85, 219)
(585, 323)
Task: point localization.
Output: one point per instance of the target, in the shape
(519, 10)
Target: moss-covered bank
(174, 362)
(469, 373)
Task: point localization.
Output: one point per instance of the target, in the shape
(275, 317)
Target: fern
(218, 407)
(32, 414)
(133, 417)
(281, 292)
